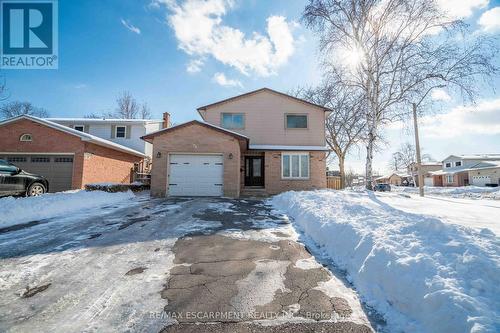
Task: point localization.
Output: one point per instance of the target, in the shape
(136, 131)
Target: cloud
(131, 27)
(490, 20)
(194, 66)
(440, 95)
(81, 86)
(200, 32)
(483, 119)
(222, 80)
(461, 8)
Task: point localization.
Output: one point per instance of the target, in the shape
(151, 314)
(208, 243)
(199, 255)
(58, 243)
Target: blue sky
(146, 47)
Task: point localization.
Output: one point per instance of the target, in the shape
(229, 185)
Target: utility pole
(417, 148)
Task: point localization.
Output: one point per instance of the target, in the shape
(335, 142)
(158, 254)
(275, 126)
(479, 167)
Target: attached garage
(428, 181)
(196, 175)
(58, 169)
(196, 159)
(481, 180)
(68, 158)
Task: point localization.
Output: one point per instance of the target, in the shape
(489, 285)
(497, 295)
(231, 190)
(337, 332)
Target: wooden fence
(333, 182)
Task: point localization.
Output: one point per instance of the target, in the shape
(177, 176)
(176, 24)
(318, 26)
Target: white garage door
(481, 180)
(429, 181)
(195, 175)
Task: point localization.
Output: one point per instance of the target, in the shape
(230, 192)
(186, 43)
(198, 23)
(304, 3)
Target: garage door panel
(195, 175)
(481, 180)
(58, 169)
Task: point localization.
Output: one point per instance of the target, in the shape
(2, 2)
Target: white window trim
(124, 132)
(300, 166)
(448, 179)
(22, 140)
(446, 165)
(232, 114)
(458, 162)
(82, 126)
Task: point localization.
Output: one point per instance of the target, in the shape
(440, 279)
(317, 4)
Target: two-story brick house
(263, 141)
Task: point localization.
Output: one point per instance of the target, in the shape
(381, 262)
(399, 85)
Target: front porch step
(249, 192)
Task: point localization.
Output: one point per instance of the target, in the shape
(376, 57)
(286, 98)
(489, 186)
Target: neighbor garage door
(58, 169)
(429, 181)
(195, 175)
(481, 180)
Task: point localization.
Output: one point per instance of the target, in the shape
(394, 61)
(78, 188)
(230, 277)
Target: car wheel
(35, 190)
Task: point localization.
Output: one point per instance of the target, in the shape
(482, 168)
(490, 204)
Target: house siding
(195, 139)
(265, 119)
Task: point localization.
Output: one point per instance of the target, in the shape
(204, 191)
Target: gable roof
(475, 157)
(103, 120)
(300, 100)
(193, 122)
(83, 136)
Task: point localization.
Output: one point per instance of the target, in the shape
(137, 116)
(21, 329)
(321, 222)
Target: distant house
(125, 132)
(398, 179)
(455, 169)
(427, 168)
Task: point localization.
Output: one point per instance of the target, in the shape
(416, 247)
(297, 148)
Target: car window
(7, 168)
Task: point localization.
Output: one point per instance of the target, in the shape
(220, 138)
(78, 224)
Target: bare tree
(145, 111)
(344, 126)
(127, 107)
(16, 108)
(386, 43)
(92, 116)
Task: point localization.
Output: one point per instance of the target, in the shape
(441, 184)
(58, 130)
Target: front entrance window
(254, 171)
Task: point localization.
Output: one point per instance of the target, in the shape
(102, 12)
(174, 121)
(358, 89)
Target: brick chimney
(166, 120)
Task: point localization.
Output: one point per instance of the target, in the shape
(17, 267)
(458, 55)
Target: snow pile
(422, 274)
(473, 192)
(21, 210)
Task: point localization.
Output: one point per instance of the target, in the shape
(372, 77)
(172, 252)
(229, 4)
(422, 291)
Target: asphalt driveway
(170, 265)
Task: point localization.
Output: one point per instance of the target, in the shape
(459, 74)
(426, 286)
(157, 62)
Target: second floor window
(296, 121)
(233, 120)
(458, 163)
(121, 131)
(447, 165)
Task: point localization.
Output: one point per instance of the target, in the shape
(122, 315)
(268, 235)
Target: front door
(254, 171)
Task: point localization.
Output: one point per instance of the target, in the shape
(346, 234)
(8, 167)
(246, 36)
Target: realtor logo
(28, 34)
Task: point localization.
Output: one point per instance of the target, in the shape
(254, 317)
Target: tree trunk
(417, 149)
(369, 157)
(342, 170)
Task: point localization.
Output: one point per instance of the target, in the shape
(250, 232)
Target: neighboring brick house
(455, 169)
(261, 142)
(394, 179)
(68, 158)
(427, 169)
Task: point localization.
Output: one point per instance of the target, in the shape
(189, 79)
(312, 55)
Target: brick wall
(45, 140)
(101, 164)
(197, 139)
(274, 184)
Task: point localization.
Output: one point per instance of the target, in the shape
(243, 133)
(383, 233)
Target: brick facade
(274, 184)
(91, 163)
(196, 139)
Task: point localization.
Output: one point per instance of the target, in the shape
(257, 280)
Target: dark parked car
(382, 188)
(14, 181)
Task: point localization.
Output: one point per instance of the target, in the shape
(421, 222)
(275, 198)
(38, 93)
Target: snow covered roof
(494, 156)
(84, 136)
(104, 120)
(485, 165)
(402, 175)
(289, 148)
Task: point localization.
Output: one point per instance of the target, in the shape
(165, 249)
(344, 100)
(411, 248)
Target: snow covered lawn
(21, 210)
(479, 213)
(421, 272)
(471, 192)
